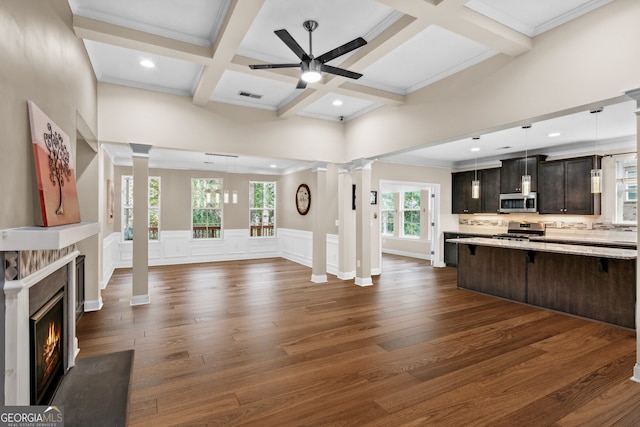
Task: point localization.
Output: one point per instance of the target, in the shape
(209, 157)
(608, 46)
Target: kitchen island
(589, 281)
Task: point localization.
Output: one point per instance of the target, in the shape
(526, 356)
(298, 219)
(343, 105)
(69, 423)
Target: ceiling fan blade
(292, 44)
(341, 50)
(340, 71)
(266, 66)
(301, 84)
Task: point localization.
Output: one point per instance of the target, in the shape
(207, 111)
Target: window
(387, 208)
(411, 213)
(626, 190)
(153, 222)
(206, 208)
(262, 208)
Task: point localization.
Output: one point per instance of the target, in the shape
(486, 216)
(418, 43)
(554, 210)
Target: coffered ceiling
(202, 48)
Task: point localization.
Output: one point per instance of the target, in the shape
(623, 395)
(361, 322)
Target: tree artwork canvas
(54, 170)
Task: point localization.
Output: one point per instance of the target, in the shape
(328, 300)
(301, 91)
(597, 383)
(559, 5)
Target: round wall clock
(303, 199)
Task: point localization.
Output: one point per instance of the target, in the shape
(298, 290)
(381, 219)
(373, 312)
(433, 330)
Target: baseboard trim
(140, 300)
(636, 373)
(93, 305)
(319, 278)
(364, 281)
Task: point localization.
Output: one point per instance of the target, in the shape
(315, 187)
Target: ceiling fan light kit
(311, 67)
(311, 71)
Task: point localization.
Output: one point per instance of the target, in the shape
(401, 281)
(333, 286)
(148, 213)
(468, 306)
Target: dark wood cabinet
(495, 271)
(489, 201)
(596, 288)
(490, 190)
(461, 200)
(589, 286)
(565, 187)
(451, 249)
(513, 169)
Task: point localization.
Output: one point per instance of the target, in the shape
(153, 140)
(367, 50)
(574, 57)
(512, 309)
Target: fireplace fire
(47, 355)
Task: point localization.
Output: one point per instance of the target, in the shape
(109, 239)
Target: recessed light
(475, 149)
(554, 134)
(147, 63)
(274, 166)
(337, 102)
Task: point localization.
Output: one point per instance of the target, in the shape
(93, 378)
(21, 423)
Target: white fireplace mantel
(46, 238)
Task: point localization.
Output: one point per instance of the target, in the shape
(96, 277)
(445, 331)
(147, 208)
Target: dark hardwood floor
(256, 343)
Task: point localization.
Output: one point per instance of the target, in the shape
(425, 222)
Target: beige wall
(42, 61)
(288, 216)
(175, 197)
(162, 120)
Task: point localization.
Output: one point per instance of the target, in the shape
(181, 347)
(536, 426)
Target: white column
(362, 179)
(319, 255)
(140, 285)
(635, 94)
(346, 225)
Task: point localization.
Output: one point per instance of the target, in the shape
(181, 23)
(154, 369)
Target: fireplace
(40, 344)
(40, 263)
(47, 348)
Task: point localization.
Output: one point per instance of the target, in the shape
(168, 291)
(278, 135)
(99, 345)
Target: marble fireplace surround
(32, 254)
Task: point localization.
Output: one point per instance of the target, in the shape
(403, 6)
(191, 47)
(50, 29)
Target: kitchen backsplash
(553, 225)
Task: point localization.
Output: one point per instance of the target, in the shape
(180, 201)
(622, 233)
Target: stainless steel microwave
(516, 202)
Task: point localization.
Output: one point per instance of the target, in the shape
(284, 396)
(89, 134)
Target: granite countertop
(595, 251)
(585, 240)
(558, 238)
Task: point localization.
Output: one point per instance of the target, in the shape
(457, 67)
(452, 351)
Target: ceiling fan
(309, 65)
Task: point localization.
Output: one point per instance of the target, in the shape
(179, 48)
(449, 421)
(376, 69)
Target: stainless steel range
(522, 231)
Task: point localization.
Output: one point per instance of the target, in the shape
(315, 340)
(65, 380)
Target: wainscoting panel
(333, 255)
(296, 245)
(110, 256)
(175, 244)
(177, 247)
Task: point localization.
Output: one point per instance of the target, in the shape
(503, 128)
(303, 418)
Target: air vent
(506, 147)
(249, 94)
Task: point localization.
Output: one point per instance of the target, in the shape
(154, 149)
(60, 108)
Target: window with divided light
(387, 213)
(153, 203)
(626, 190)
(262, 208)
(410, 206)
(206, 208)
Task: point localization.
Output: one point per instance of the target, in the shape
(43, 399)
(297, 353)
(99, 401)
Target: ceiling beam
(453, 16)
(239, 18)
(103, 32)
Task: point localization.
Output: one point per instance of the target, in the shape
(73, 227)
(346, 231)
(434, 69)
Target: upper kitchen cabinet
(513, 169)
(490, 190)
(489, 201)
(565, 187)
(461, 200)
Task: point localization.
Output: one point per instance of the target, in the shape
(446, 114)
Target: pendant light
(596, 174)
(475, 184)
(526, 178)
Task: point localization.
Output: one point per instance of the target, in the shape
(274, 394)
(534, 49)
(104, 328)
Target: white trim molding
(140, 300)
